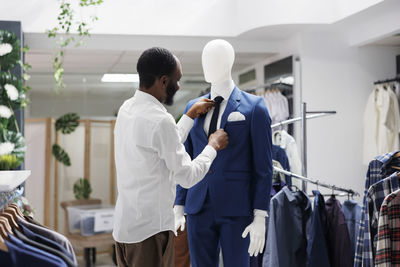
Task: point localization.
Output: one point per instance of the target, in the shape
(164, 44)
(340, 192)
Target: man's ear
(164, 80)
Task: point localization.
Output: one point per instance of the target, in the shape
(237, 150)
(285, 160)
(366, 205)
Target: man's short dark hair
(154, 63)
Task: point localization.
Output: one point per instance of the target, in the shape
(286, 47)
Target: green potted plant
(12, 96)
(82, 189)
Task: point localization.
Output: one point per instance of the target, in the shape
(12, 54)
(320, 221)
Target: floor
(102, 260)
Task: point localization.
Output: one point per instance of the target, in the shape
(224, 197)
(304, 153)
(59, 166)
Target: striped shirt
(388, 244)
(378, 169)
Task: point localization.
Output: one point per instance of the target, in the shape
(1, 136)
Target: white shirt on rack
(381, 124)
(277, 105)
(150, 159)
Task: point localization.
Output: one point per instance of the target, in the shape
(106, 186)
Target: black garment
(339, 245)
(317, 247)
(289, 225)
(45, 248)
(214, 118)
(33, 221)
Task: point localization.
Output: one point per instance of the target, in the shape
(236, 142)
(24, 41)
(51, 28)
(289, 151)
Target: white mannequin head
(217, 60)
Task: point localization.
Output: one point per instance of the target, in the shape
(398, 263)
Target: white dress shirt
(381, 124)
(150, 159)
(277, 105)
(214, 93)
(288, 143)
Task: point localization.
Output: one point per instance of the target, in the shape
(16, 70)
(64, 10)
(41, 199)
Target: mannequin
(246, 120)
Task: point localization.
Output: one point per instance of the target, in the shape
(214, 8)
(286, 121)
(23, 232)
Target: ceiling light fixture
(120, 78)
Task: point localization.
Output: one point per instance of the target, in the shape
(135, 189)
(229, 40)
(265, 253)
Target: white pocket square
(236, 116)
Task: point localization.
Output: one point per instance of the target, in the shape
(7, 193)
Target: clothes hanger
(12, 212)
(10, 220)
(395, 156)
(6, 225)
(295, 187)
(17, 210)
(333, 193)
(3, 236)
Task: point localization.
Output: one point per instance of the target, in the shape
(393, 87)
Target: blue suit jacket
(239, 180)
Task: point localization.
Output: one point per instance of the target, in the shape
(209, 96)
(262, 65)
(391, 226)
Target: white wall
(98, 105)
(51, 105)
(335, 76)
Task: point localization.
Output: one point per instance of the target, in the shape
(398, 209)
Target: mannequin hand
(202, 106)
(257, 235)
(179, 218)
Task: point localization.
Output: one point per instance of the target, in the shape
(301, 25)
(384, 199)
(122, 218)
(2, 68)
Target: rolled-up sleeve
(167, 140)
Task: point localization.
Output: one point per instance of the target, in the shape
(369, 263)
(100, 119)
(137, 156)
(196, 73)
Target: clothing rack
(266, 85)
(317, 182)
(303, 118)
(397, 79)
(316, 115)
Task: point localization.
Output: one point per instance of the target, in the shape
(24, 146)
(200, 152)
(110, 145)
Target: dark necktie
(214, 118)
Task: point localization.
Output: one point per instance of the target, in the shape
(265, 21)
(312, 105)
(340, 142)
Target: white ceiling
(228, 18)
(119, 54)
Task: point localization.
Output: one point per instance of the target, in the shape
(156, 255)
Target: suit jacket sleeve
(181, 192)
(261, 138)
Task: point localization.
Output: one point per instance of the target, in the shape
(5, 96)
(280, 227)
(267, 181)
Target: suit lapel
(200, 122)
(232, 105)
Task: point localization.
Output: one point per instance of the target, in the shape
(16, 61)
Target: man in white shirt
(150, 159)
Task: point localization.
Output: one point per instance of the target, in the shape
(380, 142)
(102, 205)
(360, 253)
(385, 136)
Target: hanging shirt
(352, 214)
(381, 123)
(279, 155)
(51, 246)
(378, 169)
(277, 105)
(339, 246)
(287, 142)
(388, 243)
(45, 248)
(375, 196)
(283, 104)
(25, 255)
(317, 247)
(289, 223)
(277, 176)
(150, 159)
(51, 235)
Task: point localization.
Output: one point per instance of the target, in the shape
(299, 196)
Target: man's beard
(171, 90)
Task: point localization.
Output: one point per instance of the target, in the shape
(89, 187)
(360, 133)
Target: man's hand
(202, 106)
(179, 218)
(218, 140)
(257, 235)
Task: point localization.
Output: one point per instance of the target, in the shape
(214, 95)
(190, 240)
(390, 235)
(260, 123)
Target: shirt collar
(290, 196)
(386, 158)
(224, 93)
(146, 97)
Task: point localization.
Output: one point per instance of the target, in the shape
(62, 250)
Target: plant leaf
(82, 189)
(67, 123)
(61, 155)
